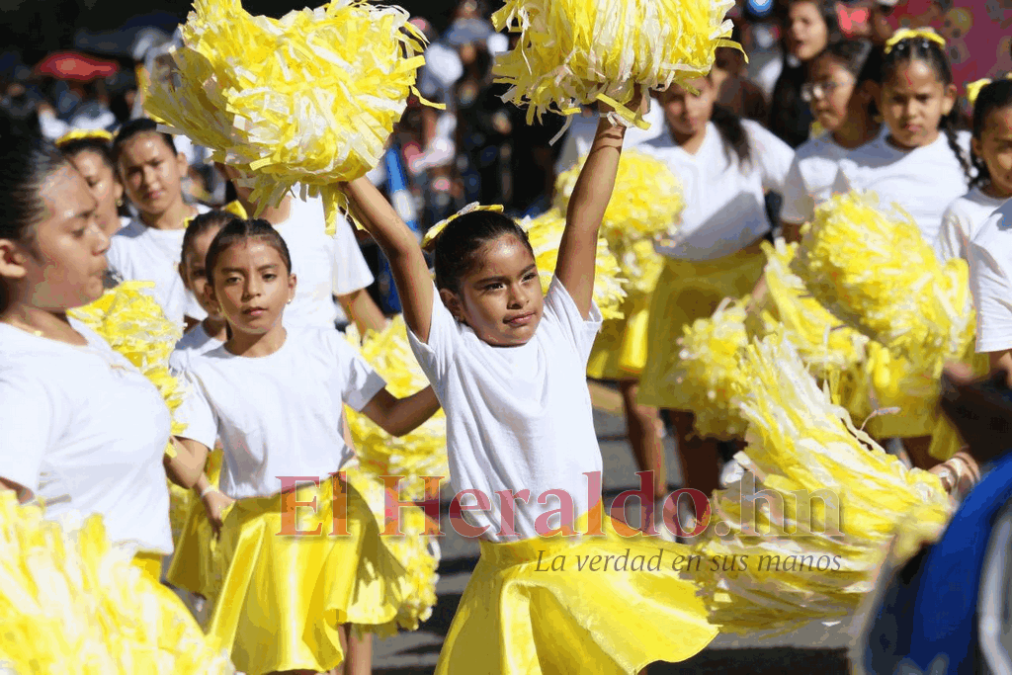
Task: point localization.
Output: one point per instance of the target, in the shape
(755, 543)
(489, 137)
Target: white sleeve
(436, 354)
(196, 413)
(798, 206)
(31, 418)
(562, 311)
(992, 294)
(360, 381)
(952, 237)
(351, 271)
(771, 155)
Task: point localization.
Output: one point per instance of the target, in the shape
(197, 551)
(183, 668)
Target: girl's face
(104, 185)
(152, 174)
(995, 147)
(807, 31)
(687, 114)
(913, 103)
(500, 298)
(192, 270)
(63, 264)
(831, 88)
(252, 286)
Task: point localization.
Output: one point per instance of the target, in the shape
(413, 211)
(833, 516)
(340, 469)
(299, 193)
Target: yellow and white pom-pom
(71, 603)
(574, 52)
(545, 233)
(310, 98)
(825, 344)
(708, 378)
(820, 558)
(412, 456)
(872, 268)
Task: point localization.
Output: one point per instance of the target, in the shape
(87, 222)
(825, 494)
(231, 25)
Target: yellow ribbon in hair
(973, 90)
(83, 134)
(236, 209)
(429, 240)
(913, 34)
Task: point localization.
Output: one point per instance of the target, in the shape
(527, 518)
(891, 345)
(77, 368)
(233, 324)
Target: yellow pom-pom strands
(578, 52)
(310, 98)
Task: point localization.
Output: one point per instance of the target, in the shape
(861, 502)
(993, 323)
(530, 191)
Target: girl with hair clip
(921, 162)
(841, 89)
(83, 430)
(725, 166)
(91, 154)
(274, 396)
(509, 364)
(809, 26)
(989, 189)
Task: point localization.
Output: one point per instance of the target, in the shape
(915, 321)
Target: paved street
(812, 650)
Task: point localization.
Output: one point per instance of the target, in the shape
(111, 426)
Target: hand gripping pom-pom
(310, 98)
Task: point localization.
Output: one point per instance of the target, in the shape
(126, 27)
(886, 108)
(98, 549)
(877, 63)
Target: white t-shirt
(811, 177)
(990, 258)
(277, 415)
(85, 431)
(962, 221)
(194, 342)
(583, 128)
(725, 208)
(325, 266)
(141, 253)
(924, 181)
(517, 418)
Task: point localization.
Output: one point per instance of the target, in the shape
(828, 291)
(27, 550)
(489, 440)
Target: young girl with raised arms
(841, 89)
(274, 396)
(921, 162)
(509, 364)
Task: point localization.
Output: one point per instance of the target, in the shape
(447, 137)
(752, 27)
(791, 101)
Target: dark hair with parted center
(141, 125)
(992, 97)
(459, 246)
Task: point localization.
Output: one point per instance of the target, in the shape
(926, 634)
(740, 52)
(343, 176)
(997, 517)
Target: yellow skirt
(283, 597)
(687, 291)
(522, 615)
(150, 564)
(196, 564)
(620, 351)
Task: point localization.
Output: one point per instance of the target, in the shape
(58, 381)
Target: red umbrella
(75, 66)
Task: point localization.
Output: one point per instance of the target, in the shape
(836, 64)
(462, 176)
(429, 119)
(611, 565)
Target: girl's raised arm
(411, 273)
(578, 250)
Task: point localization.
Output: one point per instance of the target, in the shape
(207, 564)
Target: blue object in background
(760, 8)
(403, 203)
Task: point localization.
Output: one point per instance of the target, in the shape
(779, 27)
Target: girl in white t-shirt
(841, 91)
(920, 164)
(275, 396)
(81, 429)
(992, 158)
(725, 166)
(509, 365)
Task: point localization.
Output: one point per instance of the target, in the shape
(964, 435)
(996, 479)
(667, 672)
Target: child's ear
(12, 260)
(293, 281)
(949, 99)
(452, 302)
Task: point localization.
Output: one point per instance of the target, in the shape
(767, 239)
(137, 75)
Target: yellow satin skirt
(687, 291)
(150, 564)
(620, 351)
(283, 597)
(523, 615)
(196, 564)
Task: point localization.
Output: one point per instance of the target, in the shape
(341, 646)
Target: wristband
(208, 490)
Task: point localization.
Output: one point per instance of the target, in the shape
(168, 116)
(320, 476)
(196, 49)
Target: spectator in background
(809, 26)
(734, 91)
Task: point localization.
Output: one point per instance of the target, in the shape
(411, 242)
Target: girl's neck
(173, 218)
(690, 143)
(42, 323)
(926, 143)
(992, 191)
(216, 328)
(275, 215)
(852, 135)
(257, 345)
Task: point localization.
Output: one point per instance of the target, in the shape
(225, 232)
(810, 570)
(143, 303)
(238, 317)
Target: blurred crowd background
(81, 64)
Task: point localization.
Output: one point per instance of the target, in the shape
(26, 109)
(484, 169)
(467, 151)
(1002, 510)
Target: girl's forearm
(376, 215)
(413, 411)
(187, 467)
(596, 182)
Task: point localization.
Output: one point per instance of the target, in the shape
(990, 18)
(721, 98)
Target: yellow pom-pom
(574, 52)
(814, 561)
(309, 98)
(545, 234)
(71, 603)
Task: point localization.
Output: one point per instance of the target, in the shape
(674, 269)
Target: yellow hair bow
(236, 209)
(973, 89)
(83, 134)
(913, 34)
(429, 240)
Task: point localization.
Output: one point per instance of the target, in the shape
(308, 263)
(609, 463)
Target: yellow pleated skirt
(283, 597)
(620, 350)
(523, 615)
(687, 291)
(196, 564)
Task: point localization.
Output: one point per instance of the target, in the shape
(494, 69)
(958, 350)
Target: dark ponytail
(732, 133)
(992, 97)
